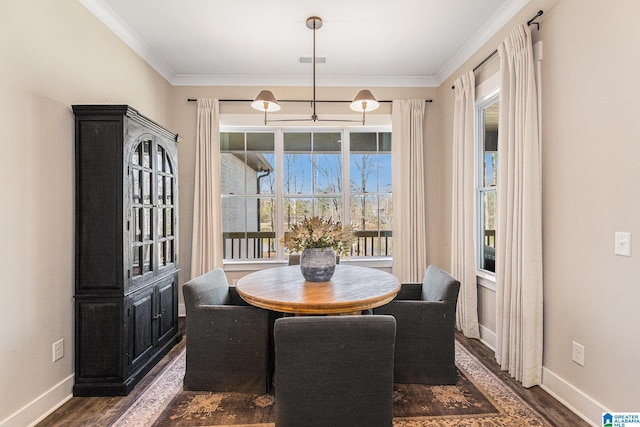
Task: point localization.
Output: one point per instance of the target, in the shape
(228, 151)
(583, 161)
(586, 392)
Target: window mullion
(279, 208)
(314, 174)
(244, 248)
(346, 178)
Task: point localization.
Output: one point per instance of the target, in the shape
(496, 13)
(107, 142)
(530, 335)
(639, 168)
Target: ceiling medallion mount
(267, 102)
(314, 23)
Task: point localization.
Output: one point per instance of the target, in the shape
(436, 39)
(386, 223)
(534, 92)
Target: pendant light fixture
(265, 101)
(363, 102)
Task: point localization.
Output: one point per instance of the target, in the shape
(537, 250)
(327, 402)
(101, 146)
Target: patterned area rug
(478, 398)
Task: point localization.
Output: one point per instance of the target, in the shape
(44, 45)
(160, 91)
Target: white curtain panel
(409, 211)
(207, 245)
(519, 281)
(463, 246)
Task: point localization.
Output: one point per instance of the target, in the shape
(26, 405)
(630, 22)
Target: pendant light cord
(314, 117)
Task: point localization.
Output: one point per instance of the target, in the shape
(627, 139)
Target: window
(312, 176)
(247, 185)
(271, 180)
(370, 181)
(487, 136)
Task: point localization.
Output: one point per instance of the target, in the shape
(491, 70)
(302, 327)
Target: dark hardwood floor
(555, 412)
(101, 411)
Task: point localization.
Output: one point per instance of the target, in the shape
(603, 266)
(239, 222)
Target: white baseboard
(45, 404)
(488, 337)
(576, 400)
(37, 410)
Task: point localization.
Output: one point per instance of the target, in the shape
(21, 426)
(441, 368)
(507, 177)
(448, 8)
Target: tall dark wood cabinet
(126, 275)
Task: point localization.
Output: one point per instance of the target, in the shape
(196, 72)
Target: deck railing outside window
(263, 244)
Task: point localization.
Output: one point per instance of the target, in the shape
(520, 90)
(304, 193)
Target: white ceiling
(370, 43)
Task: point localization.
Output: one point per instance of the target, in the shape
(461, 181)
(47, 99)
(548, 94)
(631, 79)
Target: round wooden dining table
(350, 290)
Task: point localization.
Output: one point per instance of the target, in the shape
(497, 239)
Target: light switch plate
(577, 353)
(623, 244)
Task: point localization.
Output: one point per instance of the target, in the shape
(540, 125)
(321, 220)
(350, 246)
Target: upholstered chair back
(438, 285)
(211, 288)
(425, 336)
(227, 344)
(334, 371)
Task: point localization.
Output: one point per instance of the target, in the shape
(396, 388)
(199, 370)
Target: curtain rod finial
(532, 20)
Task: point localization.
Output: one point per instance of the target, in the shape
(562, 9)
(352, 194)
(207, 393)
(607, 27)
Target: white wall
(54, 54)
(591, 149)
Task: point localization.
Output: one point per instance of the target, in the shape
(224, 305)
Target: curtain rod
(529, 23)
(290, 100)
(533, 20)
(484, 61)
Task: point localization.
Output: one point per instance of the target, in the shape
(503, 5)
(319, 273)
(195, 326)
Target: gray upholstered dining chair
(227, 339)
(425, 339)
(334, 371)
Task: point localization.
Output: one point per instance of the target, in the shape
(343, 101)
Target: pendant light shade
(364, 101)
(265, 101)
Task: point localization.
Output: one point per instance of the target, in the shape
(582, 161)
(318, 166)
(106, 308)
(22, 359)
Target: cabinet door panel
(99, 206)
(167, 293)
(141, 324)
(98, 338)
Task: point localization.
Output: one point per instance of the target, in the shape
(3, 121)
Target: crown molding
(321, 81)
(493, 25)
(111, 20)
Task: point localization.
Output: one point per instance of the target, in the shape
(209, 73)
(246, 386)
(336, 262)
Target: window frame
(487, 100)
(345, 132)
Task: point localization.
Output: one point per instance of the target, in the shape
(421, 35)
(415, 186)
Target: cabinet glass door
(142, 172)
(153, 182)
(166, 182)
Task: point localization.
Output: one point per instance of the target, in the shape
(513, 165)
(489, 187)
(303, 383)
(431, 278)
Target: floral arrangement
(316, 232)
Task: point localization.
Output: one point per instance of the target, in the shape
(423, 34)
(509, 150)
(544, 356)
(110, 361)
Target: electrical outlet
(577, 354)
(58, 349)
